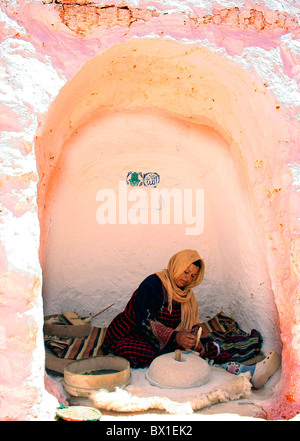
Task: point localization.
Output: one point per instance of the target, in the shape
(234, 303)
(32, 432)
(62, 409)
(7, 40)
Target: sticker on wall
(137, 179)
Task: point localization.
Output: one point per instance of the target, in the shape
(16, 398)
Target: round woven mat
(79, 413)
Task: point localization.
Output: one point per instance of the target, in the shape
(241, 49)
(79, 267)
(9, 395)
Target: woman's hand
(186, 339)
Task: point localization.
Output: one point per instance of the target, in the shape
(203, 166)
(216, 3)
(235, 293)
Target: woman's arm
(149, 301)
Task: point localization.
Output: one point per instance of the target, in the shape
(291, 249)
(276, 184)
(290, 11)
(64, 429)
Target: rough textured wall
(43, 45)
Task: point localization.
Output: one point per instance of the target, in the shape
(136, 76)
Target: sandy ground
(231, 411)
(250, 408)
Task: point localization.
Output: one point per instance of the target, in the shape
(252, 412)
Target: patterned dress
(146, 328)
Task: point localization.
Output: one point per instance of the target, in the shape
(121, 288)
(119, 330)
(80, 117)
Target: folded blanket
(221, 329)
(226, 332)
(79, 347)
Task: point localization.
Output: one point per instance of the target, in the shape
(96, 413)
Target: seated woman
(162, 316)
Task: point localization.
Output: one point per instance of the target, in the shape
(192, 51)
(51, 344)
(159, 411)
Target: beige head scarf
(176, 266)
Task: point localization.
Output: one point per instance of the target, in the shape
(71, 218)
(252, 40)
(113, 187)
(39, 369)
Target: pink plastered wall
(207, 97)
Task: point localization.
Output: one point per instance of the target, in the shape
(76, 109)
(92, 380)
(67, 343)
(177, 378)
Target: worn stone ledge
(84, 17)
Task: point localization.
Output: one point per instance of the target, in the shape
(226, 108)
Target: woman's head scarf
(176, 266)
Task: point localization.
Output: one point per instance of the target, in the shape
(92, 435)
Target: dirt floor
(230, 411)
(250, 408)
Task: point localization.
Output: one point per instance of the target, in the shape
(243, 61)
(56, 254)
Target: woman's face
(188, 276)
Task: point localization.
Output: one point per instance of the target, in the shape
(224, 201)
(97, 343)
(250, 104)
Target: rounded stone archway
(200, 122)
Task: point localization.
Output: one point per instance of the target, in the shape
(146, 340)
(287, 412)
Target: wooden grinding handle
(178, 355)
(198, 337)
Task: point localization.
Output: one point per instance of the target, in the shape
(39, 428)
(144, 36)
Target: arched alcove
(199, 122)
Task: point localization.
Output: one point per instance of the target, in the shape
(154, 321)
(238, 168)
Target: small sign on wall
(138, 179)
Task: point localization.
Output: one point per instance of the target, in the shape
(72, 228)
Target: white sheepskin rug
(141, 396)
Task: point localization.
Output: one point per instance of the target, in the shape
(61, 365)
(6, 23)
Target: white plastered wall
(102, 264)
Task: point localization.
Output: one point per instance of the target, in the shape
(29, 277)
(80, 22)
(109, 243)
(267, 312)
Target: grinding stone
(166, 372)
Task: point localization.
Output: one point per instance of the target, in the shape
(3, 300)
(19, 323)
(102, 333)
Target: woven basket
(78, 413)
(78, 384)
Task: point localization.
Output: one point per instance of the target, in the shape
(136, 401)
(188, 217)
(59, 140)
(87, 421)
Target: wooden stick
(178, 355)
(88, 319)
(102, 310)
(198, 337)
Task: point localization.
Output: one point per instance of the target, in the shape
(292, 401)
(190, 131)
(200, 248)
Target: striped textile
(221, 323)
(145, 328)
(79, 347)
(226, 332)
